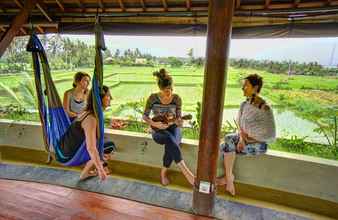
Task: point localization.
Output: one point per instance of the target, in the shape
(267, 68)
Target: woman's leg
(86, 171)
(171, 138)
(229, 160)
(229, 149)
(176, 132)
(160, 138)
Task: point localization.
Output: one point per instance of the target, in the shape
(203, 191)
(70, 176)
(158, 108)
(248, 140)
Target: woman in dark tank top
(84, 128)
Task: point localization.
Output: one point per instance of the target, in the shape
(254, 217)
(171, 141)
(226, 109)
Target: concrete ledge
(298, 181)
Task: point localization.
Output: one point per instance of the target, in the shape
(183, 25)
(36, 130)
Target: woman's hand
(179, 122)
(101, 172)
(240, 146)
(159, 125)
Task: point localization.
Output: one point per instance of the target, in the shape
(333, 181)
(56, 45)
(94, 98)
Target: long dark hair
(164, 80)
(78, 77)
(90, 106)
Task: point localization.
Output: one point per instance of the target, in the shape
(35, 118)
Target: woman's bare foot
(164, 178)
(91, 173)
(230, 187)
(191, 179)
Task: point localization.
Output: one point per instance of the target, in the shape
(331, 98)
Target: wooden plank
(238, 4)
(34, 205)
(188, 3)
(44, 10)
(296, 3)
(121, 5)
(18, 3)
(40, 29)
(59, 3)
(140, 20)
(17, 23)
(144, 8)
(165, 5)
(120, 10)
(23, 200)
(23, 30)
(218, 44)
(317, 4)
(100, 3)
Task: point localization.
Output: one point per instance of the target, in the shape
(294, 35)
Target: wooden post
(218, 43)
(17, 23)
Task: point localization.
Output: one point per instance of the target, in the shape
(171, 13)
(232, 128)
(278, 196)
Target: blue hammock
(53, 117)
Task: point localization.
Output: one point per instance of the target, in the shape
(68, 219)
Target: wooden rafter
(122, 5)
(40, 29)
(59, 3)
(44, 10)
(23, 30)
(165, 5)
(100, 3)
(17, 23)
(238, 4)
(188, 3)
(296, 3)
(144, 8)
(80, 4)
(18, 3)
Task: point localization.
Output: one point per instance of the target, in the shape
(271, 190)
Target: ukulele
(168, 119)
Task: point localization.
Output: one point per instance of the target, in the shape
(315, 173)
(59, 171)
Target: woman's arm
(66, 105)
(89, 125)
(146, 114)
(179, 121)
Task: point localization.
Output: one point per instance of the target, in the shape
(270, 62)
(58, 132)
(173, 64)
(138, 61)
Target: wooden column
(218, 43)
(17, 23)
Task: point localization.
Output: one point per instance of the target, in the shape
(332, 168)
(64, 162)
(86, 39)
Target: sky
(321, 50)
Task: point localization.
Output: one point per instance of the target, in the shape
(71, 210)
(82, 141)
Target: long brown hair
(78, 77)
(164, 80)
(90, 106)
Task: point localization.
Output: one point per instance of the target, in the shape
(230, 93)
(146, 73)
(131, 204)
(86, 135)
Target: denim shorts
(231, 141)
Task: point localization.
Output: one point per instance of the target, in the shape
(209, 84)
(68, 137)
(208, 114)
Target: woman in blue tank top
(74, 100)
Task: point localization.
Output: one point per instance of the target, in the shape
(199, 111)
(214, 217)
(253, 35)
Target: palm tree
(24, 95)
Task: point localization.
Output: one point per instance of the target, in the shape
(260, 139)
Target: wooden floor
(26, 200)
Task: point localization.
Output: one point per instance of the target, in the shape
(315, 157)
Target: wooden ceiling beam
(122, 5)
(40, 29)
(23, 31)
(44, 9)
(165, 5)
(296, 3)
(59, 3)
(117, 10)
(17, 23)
(100, 3)
(144, 8)
(188, 3)
(18, 3)
(80, 4)
(238, 4)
